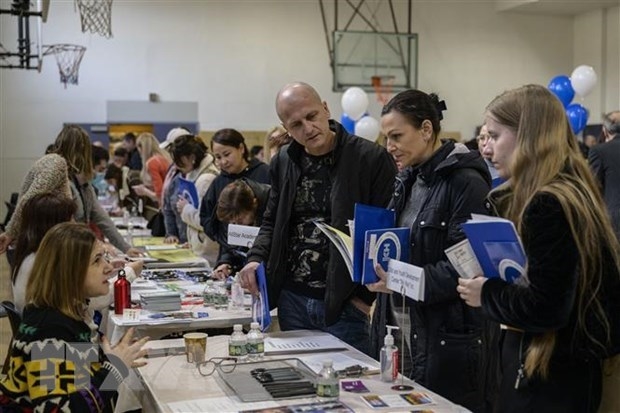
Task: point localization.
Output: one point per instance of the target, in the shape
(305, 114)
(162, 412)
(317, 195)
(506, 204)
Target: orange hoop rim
(382, 84)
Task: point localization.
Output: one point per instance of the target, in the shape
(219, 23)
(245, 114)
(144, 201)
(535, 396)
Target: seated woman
(241, 202)
(70, 268)
(39, 214)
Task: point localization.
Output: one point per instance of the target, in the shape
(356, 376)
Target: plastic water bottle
(327, 384)
(237, 343)
(256, 342)
(236, 293)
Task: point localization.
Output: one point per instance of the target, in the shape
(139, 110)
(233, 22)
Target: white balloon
(583, 79)
(367, 128)
(354, 102)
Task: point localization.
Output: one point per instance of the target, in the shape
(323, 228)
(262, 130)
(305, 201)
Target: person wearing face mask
(101, 157)
(440, 184)
(231, 156)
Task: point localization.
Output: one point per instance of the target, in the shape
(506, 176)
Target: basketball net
(383, 87)
(68, 58)
(96, 16)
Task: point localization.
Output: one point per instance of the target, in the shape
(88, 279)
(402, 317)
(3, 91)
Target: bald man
(321, 174)
(604, 161)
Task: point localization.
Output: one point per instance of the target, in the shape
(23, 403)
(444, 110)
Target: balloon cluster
(581, 82)
(355, 119)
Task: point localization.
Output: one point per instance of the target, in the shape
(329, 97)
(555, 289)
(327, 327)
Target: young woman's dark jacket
(236, 256)
(216, 230)
(361, 172)
(445, 332)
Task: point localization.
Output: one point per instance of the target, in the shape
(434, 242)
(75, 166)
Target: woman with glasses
(55, 362)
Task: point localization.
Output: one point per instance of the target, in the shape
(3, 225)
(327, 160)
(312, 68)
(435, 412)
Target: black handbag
(156, 225)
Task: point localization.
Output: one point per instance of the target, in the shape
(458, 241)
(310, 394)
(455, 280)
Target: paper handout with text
(406, 279)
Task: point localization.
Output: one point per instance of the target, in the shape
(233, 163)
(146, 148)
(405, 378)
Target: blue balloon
(577, 117)
(563, 89)
(347, 123)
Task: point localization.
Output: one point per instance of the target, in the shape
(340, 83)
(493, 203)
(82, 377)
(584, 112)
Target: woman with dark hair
(439, 185)
(557, 329)
(241, 202)
(231, 156)
(71, 267)
(195, 164)
(39, 214)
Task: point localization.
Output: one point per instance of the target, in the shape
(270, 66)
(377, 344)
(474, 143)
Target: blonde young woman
(155, 164)
(556, 330)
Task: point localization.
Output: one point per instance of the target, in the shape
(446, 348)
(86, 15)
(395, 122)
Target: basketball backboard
(358, 56)
(25, 52)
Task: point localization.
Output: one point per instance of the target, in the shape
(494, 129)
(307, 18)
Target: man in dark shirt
(135, 161)
(318, 176)
(604, 161)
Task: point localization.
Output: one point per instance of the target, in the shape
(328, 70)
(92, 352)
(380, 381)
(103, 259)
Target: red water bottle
(122, 293)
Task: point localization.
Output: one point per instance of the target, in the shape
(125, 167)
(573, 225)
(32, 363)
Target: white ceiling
(554, 7)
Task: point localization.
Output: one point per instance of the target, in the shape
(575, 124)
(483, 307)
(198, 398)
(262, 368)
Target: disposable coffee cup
(195, 347)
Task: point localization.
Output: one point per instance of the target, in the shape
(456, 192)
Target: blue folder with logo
(187, 190)
(381, 245)
(367, 218)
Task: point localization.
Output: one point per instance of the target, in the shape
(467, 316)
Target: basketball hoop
(96, 16)
(68, 58)
(383, 87)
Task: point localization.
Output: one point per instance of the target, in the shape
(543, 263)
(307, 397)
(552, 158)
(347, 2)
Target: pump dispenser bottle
(389, 357)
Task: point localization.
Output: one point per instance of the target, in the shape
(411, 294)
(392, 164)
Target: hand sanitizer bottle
(389, 357)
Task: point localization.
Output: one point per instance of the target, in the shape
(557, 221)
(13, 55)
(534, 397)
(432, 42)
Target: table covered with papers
(174, 385)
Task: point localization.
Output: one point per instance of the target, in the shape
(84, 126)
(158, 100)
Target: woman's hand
(136, 266)
(171, 239)
(181, 204)
(140, 190)
(5, 241)
(128, 349)
(381, 285)
(134, 252)
(222, 271)
(470, 290)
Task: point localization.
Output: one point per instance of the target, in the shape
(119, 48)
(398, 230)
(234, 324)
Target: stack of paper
(160, 301)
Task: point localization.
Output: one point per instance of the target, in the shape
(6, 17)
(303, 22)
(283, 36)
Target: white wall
(232, 57)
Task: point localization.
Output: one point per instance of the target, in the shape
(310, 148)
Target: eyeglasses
(225, 364)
